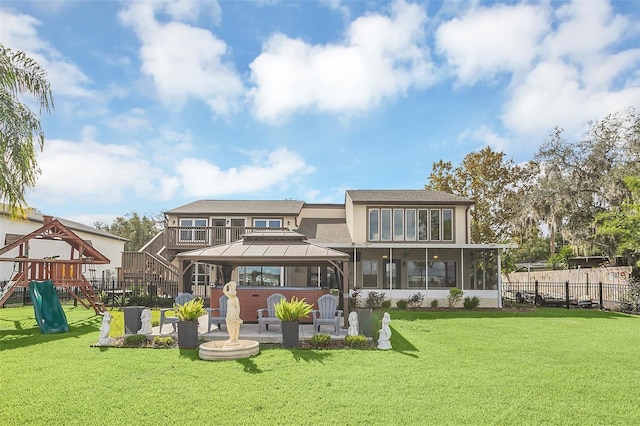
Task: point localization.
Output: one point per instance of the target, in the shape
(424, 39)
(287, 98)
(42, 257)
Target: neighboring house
(111, 246)
(400, 242)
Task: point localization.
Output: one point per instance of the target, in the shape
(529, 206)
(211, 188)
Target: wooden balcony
(181, 238)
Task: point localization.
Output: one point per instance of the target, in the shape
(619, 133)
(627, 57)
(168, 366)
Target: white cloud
(487, 137)
(380, 58)
(73, 171)
(487, 41)
(199, 178)
(184, 61)
(87, 170)
(580, 75)
(20, 32)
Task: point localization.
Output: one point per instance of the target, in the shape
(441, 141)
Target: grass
(548, 366)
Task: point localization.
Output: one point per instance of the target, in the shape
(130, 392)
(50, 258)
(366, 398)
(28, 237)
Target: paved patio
(249, 331)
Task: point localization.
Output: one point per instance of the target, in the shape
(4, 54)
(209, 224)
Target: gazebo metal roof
(266, 248)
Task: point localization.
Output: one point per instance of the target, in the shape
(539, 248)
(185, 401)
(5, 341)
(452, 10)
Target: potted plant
(188, 314)
(290, 313)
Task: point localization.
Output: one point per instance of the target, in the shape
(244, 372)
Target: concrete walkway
(249, 331)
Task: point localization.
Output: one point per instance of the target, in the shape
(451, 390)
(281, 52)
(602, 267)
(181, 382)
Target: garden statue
(385, 333)
(145, 318)
(105, 328)
(354, 328)
(233, 313)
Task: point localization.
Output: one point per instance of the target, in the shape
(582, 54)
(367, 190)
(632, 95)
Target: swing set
(65, 273)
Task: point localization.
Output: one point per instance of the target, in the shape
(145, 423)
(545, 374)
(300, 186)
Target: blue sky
(158, 104)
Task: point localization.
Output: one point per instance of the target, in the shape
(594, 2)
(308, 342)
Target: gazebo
(269, 248)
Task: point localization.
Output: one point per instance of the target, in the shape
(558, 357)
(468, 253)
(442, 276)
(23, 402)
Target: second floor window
(267, 223)
(189, 231)
(397, 224)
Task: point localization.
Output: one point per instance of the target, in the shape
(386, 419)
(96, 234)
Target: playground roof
(53, 229)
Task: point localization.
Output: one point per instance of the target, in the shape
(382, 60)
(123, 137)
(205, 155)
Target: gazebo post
(180, 276)
(345, 293)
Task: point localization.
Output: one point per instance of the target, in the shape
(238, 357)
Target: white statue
(354, 328)
(105, 328)
(233, 319)
(385, 333)
(145, 317)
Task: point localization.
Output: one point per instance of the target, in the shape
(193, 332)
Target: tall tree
(577, 180)
(20, 129)
(619, 228)
(495, 184)
(138, 230)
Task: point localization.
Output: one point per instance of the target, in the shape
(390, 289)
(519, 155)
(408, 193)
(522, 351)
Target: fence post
(535, 296)
(600, 291)
(566, 293)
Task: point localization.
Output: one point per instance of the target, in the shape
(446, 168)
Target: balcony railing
(192, 237)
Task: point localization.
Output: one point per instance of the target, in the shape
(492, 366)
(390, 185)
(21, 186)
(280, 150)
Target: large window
(260, 275)
(374, 225)
(416, 274)
(410, 224)
(370, 274)
(385, 224)
(192, 234)
(442, 274)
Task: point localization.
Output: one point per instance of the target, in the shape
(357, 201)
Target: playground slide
(47, 307)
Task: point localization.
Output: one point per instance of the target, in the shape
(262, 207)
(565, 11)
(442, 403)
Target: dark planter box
(290, 333)
(188, 334)
(365, 321)
(132, 321)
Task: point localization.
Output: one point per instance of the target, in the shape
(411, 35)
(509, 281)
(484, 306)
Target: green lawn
(549, 366)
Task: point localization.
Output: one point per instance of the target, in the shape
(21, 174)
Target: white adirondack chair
(267, 315)
(221, 318)
(327, 313)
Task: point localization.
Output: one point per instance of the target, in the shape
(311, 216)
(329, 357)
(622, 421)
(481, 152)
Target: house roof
(75, 226)
(247, 207)
(266, 248)
(410, 196)
(325, 231)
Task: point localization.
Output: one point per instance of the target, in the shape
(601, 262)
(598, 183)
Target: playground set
(43, 276)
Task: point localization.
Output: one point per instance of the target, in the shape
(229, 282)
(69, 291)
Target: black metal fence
(116, 294)
(566, 294)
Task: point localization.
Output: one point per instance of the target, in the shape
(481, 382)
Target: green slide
(47, 307)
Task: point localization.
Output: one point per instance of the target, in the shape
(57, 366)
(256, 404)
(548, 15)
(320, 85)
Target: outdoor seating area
(248, 331)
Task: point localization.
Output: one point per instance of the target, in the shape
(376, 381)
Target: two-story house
(399, 242)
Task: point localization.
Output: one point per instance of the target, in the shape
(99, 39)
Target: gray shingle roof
(250, 207)
(410, 196)
(325, 231)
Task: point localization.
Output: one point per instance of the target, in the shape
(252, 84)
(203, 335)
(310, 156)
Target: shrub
(293, 310)
(163, 342)
(191, 310)
(455, 296)
(434, 303)
(415, 301)
(356, 342)
(135, 340)
(402, 304)
(320, 340)
(471, 302)
(386, 304)
(374, 300)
